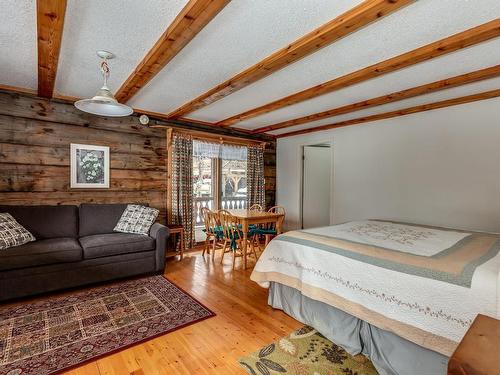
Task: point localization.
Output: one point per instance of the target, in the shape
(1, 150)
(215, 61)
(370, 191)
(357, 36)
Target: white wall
(440, 167)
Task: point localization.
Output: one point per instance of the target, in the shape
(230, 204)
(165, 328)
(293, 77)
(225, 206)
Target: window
(219, 179)
(233, 183)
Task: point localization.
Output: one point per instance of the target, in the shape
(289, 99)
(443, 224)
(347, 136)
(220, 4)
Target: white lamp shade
(104, 104)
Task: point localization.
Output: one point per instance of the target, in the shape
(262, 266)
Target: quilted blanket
(425, 284)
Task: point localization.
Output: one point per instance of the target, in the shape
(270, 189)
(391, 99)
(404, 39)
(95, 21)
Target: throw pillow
(12, 233)
(136, 219)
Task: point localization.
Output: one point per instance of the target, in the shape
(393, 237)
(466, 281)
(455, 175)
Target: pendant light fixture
(104, 103)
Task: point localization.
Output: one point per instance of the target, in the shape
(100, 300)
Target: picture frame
(89, 166)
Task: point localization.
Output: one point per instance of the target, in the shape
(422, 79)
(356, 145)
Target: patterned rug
(306, 352)
(55, 333)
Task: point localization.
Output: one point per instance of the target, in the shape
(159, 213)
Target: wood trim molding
(400, 112)
(169, 176)
(50, 23)
(204, 136)
(20, 90)
(205, 127)
(441, 47)
(188, 23)
(349, 22)
(463, 79)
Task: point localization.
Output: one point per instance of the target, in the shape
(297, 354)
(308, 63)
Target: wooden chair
(269, 230)
(255, 207)
(212, 231)
(233, 237)
(204, 214)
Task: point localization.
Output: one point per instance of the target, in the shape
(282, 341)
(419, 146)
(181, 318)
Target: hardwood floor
(243, 324)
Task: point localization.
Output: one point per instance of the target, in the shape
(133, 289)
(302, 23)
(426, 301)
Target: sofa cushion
(137, 219)
(12, 233)
(46, 221)
(102, 245)
(99, 218)
(42, 252)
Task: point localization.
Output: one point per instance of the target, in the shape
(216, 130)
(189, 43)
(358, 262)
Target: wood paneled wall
(35, 137)
(270, 173)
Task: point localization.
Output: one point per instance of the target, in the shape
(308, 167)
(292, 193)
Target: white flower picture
(89, 166)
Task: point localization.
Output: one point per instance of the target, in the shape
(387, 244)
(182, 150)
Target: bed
(400, 293)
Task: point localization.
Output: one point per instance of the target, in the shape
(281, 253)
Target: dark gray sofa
(76, 246)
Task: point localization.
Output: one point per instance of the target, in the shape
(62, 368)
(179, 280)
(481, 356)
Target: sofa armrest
(160, 233)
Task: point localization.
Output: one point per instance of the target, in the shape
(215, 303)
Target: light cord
(105, 71)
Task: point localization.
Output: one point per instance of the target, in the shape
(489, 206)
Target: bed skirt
(389, 353)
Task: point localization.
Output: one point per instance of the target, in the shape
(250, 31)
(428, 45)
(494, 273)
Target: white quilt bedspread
(407, 238)
(424, 284)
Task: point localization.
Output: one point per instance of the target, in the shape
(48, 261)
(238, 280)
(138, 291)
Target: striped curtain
(182, 185)
(255, 176)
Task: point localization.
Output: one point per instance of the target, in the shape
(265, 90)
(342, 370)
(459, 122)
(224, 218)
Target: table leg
(182, 243)
(244, 228)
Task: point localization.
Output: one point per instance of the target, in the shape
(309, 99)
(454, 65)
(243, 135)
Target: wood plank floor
(244, 323)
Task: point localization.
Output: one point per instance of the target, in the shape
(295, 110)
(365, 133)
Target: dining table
(246, 217)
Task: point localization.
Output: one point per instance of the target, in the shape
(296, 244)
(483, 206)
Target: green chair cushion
(263, 231)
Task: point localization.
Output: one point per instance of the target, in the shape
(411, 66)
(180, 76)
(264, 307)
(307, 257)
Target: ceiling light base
(105, 55)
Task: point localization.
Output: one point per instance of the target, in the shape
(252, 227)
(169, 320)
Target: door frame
(329, 142)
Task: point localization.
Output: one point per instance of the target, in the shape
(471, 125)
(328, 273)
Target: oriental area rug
(54, 333)
(306, 352)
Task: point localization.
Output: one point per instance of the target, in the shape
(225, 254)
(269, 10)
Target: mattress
(425, 284)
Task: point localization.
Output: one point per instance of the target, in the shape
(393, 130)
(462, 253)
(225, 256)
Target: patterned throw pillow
(136, 219)
(12, 233)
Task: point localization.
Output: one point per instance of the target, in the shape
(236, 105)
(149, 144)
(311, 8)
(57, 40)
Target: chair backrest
(278, 210)
(255, 207)
(213, 220)
(205, 214)
(229, 225)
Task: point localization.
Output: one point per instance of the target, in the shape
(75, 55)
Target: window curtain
(232, 152)
(202, 149)
(182, 185)
(216, 150)
(255, 176)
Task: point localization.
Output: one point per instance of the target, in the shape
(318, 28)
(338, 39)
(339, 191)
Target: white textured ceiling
(420, 23)
(473, 88)
(243, 33)
(128, 28)
(18, 57)
(467, 60)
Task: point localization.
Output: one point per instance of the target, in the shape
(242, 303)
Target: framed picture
(89, 166)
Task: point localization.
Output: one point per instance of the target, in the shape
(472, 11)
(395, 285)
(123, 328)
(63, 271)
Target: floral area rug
(306, 352)
(58, 332)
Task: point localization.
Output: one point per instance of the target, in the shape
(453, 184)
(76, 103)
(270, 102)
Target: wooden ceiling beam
(400, 112)
(349, 22)
(50, 23)
(463, 79)
(188, 23)
(442, 47)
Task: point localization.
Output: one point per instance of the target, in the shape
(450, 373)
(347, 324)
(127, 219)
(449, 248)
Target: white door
(316, 188)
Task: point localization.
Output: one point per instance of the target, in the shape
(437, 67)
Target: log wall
(35, 138)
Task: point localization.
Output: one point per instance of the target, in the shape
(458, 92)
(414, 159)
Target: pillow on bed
(12, 233)
(136, 219)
